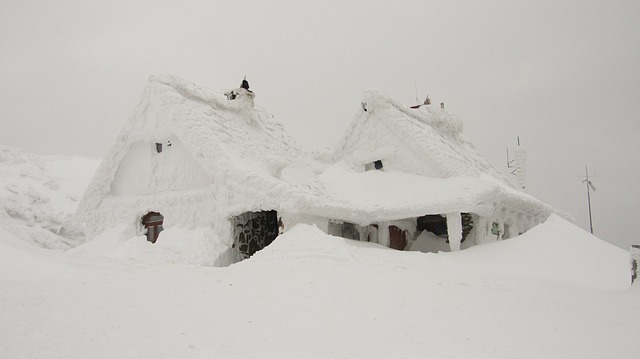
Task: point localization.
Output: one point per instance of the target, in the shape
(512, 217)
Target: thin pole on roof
(590, 187)
(415, 85)
(509, 162)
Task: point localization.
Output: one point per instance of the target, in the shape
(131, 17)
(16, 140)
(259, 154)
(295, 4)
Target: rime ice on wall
(146, 171)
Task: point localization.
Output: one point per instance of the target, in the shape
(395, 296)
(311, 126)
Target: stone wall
(252, 231)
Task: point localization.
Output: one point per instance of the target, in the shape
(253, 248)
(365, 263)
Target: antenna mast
(590, 187)
(509, 162)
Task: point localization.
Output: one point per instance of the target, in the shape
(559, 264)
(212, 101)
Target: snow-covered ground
(554, 292)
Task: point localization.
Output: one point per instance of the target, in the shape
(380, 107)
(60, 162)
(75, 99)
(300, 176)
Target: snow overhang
(372, 196)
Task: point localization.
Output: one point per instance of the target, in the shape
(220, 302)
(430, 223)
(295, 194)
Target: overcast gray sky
(562, 75)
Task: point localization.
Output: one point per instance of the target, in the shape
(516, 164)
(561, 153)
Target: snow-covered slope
(38, 193)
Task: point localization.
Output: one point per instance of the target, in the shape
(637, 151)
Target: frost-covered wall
(375, 134)
(145, 171)
(187, 209)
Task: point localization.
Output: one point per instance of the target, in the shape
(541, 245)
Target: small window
(152, 221)
(158, 147)
(375, 165)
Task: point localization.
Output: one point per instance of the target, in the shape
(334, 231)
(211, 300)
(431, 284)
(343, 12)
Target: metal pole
(588, 198)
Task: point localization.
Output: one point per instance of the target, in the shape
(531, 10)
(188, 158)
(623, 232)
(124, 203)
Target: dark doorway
(397, 238)
(152, 221)
(467, 225)
(253, 231)
(433, 223)
(437, 224)
(343, 229)
(372, 233)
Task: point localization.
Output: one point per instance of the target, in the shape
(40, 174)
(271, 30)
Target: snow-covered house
(193, 159)
(441, 182)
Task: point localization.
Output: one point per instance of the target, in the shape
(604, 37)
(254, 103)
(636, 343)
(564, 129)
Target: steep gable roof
(227, 138)
(433, 134)
(233, 131)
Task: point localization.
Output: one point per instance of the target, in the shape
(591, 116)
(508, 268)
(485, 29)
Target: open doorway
(152, 221)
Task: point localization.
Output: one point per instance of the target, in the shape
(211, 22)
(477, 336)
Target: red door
(397, 238)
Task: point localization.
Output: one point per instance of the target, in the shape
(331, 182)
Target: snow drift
(315, 296)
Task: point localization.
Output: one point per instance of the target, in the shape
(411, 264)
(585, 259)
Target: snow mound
(38, 193)
(309, 245)
(174, 245)
(556, 251)
(428, 242)
(20, 261)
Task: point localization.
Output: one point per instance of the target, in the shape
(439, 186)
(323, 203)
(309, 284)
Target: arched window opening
(152, 221)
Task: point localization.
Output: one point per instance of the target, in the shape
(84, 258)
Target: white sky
(562, 75)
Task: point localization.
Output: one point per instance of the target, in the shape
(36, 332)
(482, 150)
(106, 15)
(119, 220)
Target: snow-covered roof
(433, 135)
(380, 195)
(229, 139)
(227, 133)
